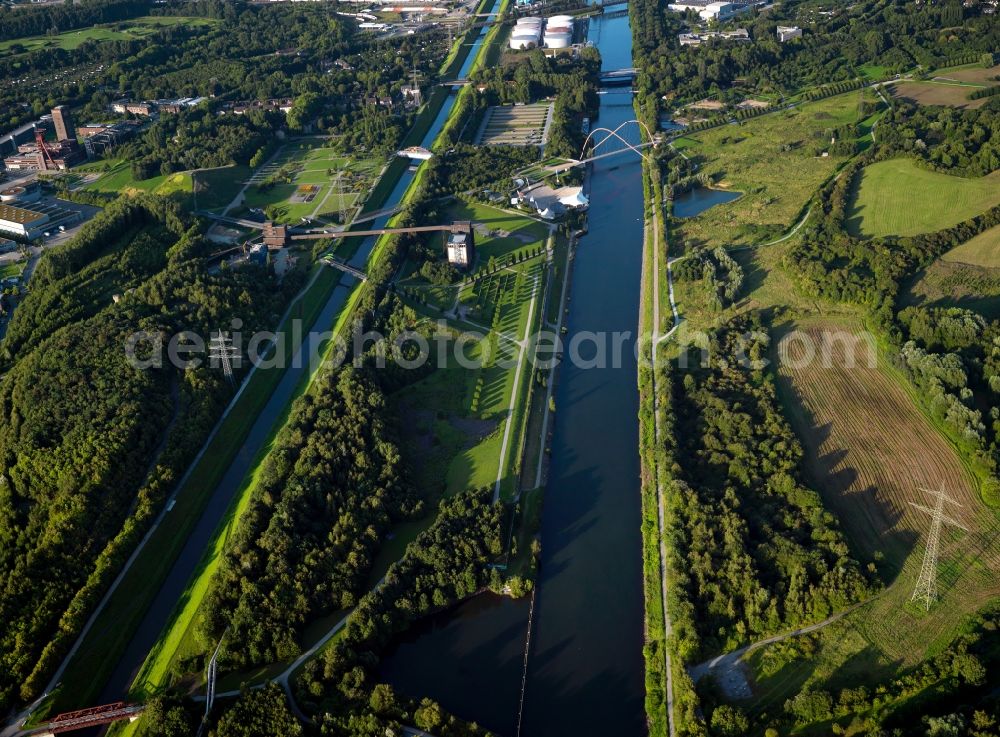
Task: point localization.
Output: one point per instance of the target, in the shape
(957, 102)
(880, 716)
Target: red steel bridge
(95, 716)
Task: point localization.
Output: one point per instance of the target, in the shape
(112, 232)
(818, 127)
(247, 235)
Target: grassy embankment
(177, 641)
(654, 650)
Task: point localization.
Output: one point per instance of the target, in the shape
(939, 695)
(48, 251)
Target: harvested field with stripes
(869, 452)
(515, 125)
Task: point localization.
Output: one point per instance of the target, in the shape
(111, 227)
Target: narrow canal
(172, 591)
(585, 668)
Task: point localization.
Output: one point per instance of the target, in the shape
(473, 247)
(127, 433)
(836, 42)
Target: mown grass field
(983, 250)
(124, 31)
(897, 197)
(774, 161)
(869, 449)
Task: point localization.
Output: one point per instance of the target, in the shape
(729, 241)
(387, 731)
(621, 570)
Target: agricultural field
(774, 160)
(949, 87)
(869, 450)
(515, 125)
(123, 31)
(897, 197)
(307, 179)
(967, 276)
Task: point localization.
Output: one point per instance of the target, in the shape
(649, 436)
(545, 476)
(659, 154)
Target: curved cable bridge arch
(643, 126)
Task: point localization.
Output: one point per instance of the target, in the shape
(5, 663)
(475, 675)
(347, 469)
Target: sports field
(775, 160)
(124, 31)
(897, 197)
(308, 179)
(869, 450)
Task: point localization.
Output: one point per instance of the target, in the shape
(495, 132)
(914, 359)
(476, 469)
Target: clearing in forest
(897, 197)
(869, 449)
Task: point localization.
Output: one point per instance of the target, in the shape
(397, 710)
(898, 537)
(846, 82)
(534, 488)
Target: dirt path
(660, 505)
(727, 670)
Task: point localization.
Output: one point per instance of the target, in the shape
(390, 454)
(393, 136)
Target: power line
(926, 589)
(221, 352)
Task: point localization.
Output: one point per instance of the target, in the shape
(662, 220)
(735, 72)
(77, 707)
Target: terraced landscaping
(515, 125)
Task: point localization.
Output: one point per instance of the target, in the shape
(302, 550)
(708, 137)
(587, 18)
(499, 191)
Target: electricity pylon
(222, 352)
(926, 589)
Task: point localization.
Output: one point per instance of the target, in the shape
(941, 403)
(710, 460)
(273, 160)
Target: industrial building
(63, 121)
(22, 223)
(559, 32)
(10, 141)
(787, 33)
(99, 139)
(42, 156)
(739, 35)
(461, 247)
(720, 11)
(21, 194)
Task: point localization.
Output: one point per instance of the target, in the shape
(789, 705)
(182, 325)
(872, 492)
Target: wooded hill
(90, 445)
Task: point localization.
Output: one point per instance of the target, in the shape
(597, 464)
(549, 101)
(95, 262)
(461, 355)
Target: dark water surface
(585, 670)
(696, 201)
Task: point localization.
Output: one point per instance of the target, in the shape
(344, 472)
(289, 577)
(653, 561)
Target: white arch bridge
(613, 143)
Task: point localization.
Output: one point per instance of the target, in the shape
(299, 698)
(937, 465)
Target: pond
(696, 201)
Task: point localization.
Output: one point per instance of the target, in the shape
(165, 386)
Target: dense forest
(445, 564)
(89, 444)
(326, 496)
(752, 550)
(960, 142)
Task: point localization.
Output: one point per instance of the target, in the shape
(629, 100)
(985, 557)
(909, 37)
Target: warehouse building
(21, 222)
